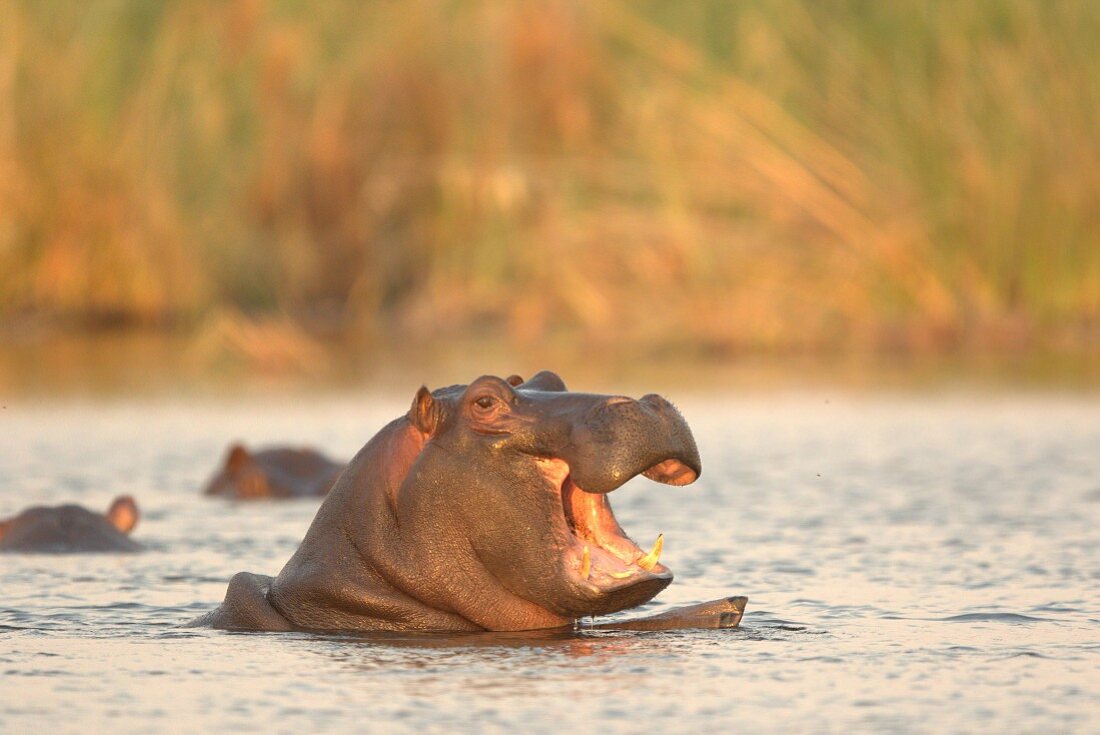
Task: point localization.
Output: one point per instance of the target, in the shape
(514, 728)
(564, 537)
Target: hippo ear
(123, 513)
(546, 380)
(237, 458)
(514, 380)
(425, 412)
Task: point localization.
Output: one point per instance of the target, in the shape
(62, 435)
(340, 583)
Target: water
(912, 565)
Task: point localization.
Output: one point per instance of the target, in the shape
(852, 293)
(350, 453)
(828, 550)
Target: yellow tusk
(586, 564)
(649, 561)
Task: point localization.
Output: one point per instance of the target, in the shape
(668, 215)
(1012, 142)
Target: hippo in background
(65, 529)
(274, 472)
(485, 508)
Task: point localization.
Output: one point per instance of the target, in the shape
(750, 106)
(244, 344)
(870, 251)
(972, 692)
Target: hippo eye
(485, 402)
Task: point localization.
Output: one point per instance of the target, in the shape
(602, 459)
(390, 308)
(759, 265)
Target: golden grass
(693, 177)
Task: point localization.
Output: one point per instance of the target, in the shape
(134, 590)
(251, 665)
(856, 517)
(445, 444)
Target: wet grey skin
(67, 529)
(274, 472)
(484, 508)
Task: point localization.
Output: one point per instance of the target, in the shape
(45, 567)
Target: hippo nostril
(618, 399)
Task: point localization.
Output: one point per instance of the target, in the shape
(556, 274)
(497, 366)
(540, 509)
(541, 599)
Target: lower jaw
(608, 580)
(605, 601)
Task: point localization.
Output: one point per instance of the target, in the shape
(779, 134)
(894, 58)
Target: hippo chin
(276, 472)
(71, 528)
(484, 508)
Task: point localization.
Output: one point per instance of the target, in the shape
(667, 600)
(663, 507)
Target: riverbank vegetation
(703, 178)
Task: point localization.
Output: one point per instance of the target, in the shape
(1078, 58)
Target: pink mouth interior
(592, 525)
(671, 472)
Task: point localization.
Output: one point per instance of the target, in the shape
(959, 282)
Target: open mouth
(597, 552)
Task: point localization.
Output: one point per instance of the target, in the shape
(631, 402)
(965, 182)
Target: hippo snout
(622, 437)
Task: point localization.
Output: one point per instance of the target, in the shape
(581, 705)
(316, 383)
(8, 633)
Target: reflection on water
(911, 565)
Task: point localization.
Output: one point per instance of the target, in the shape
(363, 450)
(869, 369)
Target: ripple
(992, 617)
(893, 540)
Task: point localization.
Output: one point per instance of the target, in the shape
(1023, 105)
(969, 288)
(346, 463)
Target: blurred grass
(694, 179)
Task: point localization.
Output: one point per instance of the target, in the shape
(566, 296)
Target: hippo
(485, 508)
(276, 472)
(72, 528)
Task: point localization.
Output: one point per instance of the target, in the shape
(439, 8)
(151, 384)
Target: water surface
(912, 565)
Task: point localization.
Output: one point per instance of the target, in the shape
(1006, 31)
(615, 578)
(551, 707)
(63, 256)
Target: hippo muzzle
(622, 438)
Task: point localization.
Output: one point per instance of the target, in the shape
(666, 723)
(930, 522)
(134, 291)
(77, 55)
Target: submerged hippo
(274, 473)
(484, 508)
(71, 528)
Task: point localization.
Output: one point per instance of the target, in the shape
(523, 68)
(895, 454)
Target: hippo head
(508, 489)
(242, 476)
(71, 528)
(277, 472)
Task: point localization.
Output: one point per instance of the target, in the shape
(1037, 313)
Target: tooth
(649, 561)
(586, 564)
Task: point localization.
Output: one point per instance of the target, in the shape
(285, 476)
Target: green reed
(705, 176)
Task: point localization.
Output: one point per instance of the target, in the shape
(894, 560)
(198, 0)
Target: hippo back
(64, 529)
